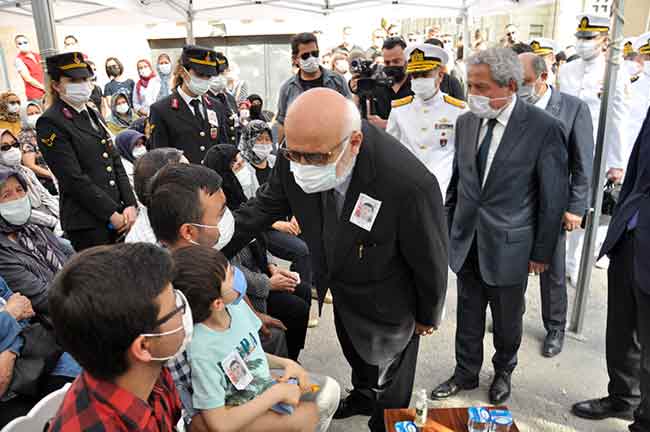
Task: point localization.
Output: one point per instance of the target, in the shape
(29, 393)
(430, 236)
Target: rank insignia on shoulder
(453, 101)
(175, 103)
(49, 142)
(66, 113)
(206, 101)
(401, 102)
(634, 79)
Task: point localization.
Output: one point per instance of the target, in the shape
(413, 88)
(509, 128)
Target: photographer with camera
(383, 96)
(426, 123)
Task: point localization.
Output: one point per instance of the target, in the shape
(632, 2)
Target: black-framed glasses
(7, 147)
(306, 55)
(309, 158)
(181, 306)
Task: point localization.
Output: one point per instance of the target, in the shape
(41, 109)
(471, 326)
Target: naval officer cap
(202, 60)
(642, 44)
(543, 46)
(71, 65)
(424, 57)
(628, 46)
(590, 25)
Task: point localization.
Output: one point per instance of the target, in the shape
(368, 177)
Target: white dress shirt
(542, 103)
(497, 134)
(187, 98)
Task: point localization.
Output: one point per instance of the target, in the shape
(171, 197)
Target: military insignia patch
(66, 113)
(49, 142)
(174, 103)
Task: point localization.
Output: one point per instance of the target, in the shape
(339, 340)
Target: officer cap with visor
(590, 26)
(543, 46)
(424, 57)
(642, 44)
(71, 65)
(200, 59)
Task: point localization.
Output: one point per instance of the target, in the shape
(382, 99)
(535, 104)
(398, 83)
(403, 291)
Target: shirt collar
(545, 99)
(187, 98)
(504, 116)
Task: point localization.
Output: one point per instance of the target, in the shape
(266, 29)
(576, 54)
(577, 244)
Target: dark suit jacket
(576, 119)
(635, 196)
(516, 216)
(382, 281)
(452, 86)
(92, 179)
(174, 125)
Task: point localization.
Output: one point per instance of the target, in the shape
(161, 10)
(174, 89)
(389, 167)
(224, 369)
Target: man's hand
(424, 330)
(268, 322)
(536, 267)
(378, 121)
(616, 175)
(119, 222)
(19, 307)
(571, 221)
(286, 227)
(294, 370)
(130, 215)
(296, 225)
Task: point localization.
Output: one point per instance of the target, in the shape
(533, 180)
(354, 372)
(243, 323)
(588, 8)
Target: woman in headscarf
(10, 112)
(131, 145)
(256, 145)
(30, 256)
(122, 115)
(32, 156)
(272, 290)
(45, 206)
(162, 87)
(143, 97)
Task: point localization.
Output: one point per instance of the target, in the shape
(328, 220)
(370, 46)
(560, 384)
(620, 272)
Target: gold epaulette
(453, 101)
(401, 102)
(634, 79)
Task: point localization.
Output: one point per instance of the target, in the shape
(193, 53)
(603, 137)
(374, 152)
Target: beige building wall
(637, 17)
(7, 35)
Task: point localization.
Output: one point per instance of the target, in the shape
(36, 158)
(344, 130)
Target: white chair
(37, 418)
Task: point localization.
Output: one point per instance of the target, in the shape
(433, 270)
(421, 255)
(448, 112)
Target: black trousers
(628, 333)
(84, 239)
(553, 288)
(293, 310)
(389, 385)
(507, 306)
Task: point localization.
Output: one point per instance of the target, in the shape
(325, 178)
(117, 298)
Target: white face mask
(16, 212)
(244, 114)
(310, 65)
(77, 94)
(145, 72)
(480, 106)
(11, 157)
(23, 47)
(165, 68)
(122, 108)
(13, 108)
(528, 93)
(262, 151)
(588, 49)
(218, 83)
(226, 230)
(32, 119)
(187, 327)
(139, 151)
(314, 179)
(424, 88)
(633, 68)
(198, 86)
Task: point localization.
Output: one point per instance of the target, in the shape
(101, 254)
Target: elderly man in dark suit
(387, 270)
(505, 204)
(576, 119)
(628, 297)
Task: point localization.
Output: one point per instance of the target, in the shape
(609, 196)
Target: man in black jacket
(385, 257)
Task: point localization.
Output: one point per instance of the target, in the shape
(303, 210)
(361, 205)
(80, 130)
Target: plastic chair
(38, 417)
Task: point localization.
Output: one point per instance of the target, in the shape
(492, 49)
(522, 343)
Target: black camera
(370, 76)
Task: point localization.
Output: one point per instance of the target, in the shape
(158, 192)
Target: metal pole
(190, 23)
(467, 43)
(45, 30)
(594, 212)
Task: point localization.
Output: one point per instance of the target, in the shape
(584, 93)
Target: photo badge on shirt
(236, 370)
(365, 212)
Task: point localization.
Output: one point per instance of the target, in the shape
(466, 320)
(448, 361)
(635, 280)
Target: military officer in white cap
(584, 78)
(631, 64)
(546, 48)
(425, 123)
(640, 86)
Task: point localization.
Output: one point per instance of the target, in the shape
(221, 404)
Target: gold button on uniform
(112, 182)
(202, 133)
(103, 141)
(109, 168)
(202, 148)
(105, 155)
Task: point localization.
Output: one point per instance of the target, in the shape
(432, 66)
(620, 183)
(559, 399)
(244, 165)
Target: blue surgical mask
(239, 285)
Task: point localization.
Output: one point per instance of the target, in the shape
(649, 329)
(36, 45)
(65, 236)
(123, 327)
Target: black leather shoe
(354, 404)
(500, 388)
(599, 409)
(553, 343)
(450, 388)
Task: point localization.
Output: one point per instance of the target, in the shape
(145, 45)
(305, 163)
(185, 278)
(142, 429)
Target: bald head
(534, 67)
(318, 120)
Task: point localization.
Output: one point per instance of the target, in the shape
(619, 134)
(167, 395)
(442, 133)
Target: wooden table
(452, 419)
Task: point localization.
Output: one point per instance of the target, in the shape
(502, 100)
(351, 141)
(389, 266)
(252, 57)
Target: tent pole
(190, 23)
(598, 179)
(467, 43)
(45, 31)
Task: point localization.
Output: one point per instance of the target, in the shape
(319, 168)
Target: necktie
(196, 105)
(330, 224)
(484, 149)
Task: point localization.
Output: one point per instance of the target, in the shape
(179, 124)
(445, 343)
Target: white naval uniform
(639, 104)
(585, 80)
(428, 129)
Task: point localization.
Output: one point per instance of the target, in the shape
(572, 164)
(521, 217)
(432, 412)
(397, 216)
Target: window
(536, 30)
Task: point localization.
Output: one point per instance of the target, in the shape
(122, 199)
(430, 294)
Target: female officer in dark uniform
(97, 202)
(188, 119)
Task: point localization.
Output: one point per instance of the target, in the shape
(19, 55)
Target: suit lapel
(183, 111)
(82, 123)
(471, 142)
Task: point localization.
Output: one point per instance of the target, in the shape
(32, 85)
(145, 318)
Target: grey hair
(352, 118)
(504, 65)
(539, 66)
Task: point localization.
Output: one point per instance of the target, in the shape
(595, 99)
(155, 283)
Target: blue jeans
(291, 248)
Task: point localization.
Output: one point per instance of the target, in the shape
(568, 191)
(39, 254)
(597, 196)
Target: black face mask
(256, 111)
(114, 71)
(395, 72)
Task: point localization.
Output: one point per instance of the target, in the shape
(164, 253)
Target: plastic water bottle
(478, 420)
(421, 408)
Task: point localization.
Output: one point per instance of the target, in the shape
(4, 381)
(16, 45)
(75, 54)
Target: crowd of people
(144, 226)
